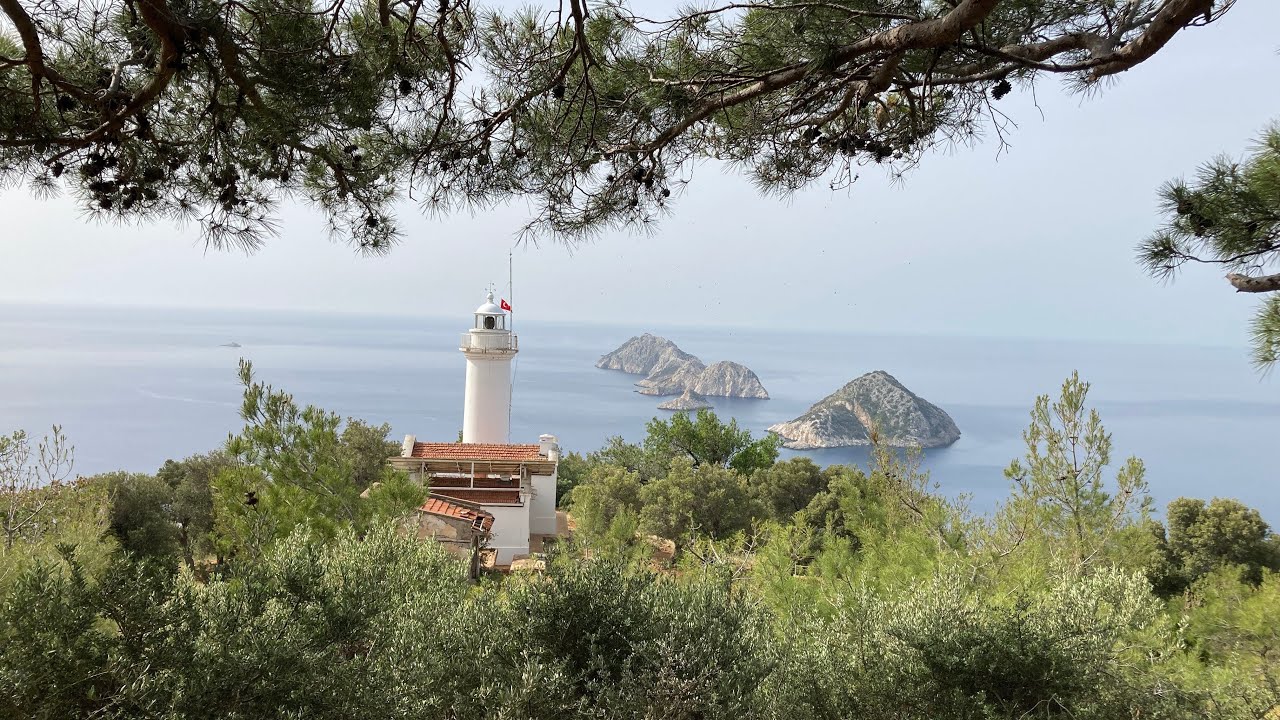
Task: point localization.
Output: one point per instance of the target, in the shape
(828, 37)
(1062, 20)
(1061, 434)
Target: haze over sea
(133, 387)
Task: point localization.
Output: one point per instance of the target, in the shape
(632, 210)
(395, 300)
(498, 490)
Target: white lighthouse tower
(489, 347)
(486, 495)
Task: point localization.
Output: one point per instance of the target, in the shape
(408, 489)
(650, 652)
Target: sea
(133, 387)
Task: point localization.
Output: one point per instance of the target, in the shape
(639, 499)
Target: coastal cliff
(845, 418)
(668, 370)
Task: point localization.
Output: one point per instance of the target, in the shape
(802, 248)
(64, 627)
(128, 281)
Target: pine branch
(1262, 284)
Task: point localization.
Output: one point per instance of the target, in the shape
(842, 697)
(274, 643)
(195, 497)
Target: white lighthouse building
(485, 492)
(489, 346)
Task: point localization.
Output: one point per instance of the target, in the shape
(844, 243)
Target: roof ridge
(509, 452)
(463, 444)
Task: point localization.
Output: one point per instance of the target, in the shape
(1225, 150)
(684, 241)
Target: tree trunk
(185, 541)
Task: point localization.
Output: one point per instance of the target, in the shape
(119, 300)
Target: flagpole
(512, 327)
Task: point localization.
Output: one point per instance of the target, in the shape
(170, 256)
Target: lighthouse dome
(489, 307)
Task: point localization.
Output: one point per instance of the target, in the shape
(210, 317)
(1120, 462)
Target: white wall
(543, 505)
(486, 410)
(510, 534)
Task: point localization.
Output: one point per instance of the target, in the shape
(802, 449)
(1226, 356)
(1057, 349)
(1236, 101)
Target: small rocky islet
(668, 370)
(688, 400)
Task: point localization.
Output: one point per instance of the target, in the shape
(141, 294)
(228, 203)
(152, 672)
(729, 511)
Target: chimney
(549, 446)
(406, 449)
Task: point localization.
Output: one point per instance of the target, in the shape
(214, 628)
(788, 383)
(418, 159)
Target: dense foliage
(216, 110)
(791, 590)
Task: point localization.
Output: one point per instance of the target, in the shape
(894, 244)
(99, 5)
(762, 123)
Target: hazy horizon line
(625, 325)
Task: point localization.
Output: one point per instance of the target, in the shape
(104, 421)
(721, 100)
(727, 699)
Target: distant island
(668, 370)
(230, 345)
(688, 400)
(845, 418)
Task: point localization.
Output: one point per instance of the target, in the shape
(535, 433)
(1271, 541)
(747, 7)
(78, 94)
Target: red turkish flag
(504, 304)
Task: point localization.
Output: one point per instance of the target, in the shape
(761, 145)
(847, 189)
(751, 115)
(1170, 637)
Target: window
(489, 322)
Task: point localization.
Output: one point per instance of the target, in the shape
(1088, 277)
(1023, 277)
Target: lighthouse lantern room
(489, 347)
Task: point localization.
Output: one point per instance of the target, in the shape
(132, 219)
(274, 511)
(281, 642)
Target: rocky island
(688, 400)
(668, 370)
(845, 418)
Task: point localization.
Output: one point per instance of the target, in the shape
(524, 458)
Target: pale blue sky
(1037, 241)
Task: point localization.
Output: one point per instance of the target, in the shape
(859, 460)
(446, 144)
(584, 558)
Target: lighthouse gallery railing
(485, 342)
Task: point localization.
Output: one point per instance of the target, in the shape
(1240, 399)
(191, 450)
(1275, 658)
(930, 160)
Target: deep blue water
(134, 387)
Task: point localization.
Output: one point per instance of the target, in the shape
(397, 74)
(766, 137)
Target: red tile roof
(476, 451)
(480, 497)
(479, 519)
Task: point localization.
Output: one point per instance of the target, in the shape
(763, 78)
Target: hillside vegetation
(258, 582)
